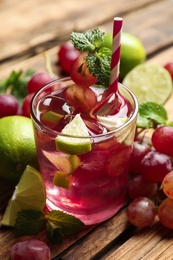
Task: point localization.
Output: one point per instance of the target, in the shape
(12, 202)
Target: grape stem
(48, 64)
(9, 89)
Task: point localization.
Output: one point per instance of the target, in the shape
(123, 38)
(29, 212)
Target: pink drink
(98, 178)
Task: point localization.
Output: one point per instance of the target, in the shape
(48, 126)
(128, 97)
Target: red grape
(167, 185)
(162, 139)
(26, 105)
(139, 151)
(19, 111)
(80, 73)
(169, 67)
(154, 166)
(66, 56)
(165, 213)
(30, 249)
(38, 80)
(137, 187)
(8, 104)
(141, 212)
(84, 98)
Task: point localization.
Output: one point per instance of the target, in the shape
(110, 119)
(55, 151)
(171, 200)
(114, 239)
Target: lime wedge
(66, 163)
(149, 82)
(74, 145)
(61, 180)
(112, 122)
(52, 116)
(29, 194)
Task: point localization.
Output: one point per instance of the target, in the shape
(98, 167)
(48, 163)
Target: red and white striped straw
(115, 62)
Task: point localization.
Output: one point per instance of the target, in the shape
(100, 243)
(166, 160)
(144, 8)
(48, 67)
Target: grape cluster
(151, 179)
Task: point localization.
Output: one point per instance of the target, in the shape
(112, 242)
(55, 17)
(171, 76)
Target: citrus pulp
(149, 82)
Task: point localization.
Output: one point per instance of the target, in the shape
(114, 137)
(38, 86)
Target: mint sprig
(60, 223)
(29, 222)
(99, 65)
(57, 224)
(98, 59)
(151, 115)
(15, 84)
(88, 41)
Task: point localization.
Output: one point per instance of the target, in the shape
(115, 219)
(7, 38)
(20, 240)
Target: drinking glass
(89, 184)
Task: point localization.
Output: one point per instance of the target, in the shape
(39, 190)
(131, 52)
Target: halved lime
(29, 194)
(80, 143)
(149, 82)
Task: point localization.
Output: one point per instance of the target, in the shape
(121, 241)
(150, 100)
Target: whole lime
(132, 51)
(107, 41)
(17, 147)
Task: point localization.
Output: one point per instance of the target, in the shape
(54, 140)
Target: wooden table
(30, 27)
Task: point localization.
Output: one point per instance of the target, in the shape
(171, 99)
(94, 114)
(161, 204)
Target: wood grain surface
(28, 28)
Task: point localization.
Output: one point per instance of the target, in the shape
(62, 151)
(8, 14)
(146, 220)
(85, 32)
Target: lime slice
(112, 122)
(149, 82)
(74, 145)
(61, 180)
(29, 194)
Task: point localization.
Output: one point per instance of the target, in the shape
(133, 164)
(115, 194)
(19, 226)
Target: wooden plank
(97, 241)
(37, 25)
(155, 28)
(8, 239)
(92, 241)
(140, 246)
(153, 34)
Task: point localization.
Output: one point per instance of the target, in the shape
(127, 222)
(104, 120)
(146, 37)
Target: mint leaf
(151, 115)
(95, 36)
(66, 223)
(88, 41)
(99, 65)
(16, 83)
(98, 59)
(29, 222)
(55, 235)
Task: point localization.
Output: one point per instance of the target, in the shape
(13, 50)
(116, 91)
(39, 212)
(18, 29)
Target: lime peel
(80, 143)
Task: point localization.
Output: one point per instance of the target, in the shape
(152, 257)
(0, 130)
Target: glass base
(91, 219)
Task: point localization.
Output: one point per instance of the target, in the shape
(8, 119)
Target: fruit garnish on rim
(103, 64)
(97, 61)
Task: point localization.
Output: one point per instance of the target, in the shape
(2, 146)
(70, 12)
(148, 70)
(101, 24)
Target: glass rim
(42, 126)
